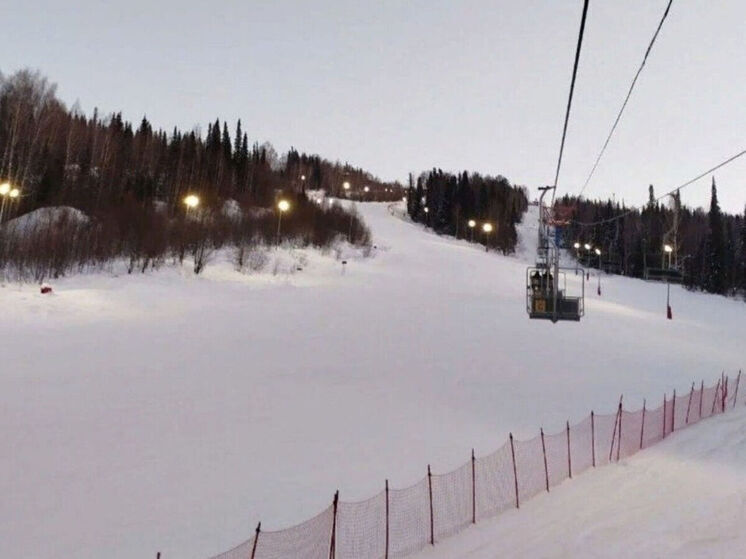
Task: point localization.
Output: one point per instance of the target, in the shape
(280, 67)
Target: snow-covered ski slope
(171, 412)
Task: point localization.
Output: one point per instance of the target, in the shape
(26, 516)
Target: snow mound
(45, 217)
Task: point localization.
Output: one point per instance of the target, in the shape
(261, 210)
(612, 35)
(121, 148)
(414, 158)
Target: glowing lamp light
(487, 227)
(587, 246)
(472, 223)
(303, 177)
(576, 245)
(366, 189)
(4, 188)
(283, 205)
(668, 248)
(404, 199)
(191, 201)
(346, 185)
(598, 251)
(14, 193)
(427, 210)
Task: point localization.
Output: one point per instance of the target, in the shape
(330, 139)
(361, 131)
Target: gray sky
(399, 86)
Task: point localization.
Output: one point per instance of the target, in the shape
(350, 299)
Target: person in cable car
(535, 281)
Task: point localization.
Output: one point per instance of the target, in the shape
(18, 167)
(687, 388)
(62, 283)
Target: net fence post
(432, 516)
(715, 399)
(544, 452)
(515, 472)
(569, 459)
(673, 412)
(619, 443)
(387, 520)
(473, 488)
(256, 540)
(689, 405)
(333, 543)
(701, 397)
(593, 440)
(735, 392)
(725, 393)
(613, 434)
(642, 426)
(664, 416)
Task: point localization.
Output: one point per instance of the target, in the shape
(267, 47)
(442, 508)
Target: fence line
(398, 522)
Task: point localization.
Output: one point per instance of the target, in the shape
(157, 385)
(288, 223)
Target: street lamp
(191, 201)
(7, 192)
(598, 253)
(346, 186)
(668, 249)
(487, 228)
(282, 206)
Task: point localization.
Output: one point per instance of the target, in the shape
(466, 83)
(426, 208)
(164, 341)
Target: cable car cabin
(664, 275)
(540, 296)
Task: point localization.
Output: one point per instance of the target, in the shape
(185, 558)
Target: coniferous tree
(715, 246)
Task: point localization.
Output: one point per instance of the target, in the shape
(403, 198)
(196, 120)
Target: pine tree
(715, 282)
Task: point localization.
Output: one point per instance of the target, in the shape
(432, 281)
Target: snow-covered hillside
(172, 412)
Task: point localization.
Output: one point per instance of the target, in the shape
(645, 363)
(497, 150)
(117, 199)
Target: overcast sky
(396, 86)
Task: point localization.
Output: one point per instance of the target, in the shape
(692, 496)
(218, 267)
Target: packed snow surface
(171, 412)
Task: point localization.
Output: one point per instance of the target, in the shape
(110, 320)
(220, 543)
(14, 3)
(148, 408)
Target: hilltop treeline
(111, 170)
(446, 202)
(710, 246)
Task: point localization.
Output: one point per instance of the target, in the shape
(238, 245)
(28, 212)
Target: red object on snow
(45, 289)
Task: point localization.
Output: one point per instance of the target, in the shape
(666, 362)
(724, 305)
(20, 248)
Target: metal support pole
(387, 520)
(515, 472)
(664, 416)
(701, 396)
(432, 515)
(473, 488)
(642, 427)
(673, 412)
(593, 440)
(333, 543)
(256, 540)
(735, 392)
(689, 405)
(544, 452)
(569, 459)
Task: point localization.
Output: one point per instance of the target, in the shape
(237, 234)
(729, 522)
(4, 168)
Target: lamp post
(487, 228)
(427, 216)
(346, 187)
(472, 224)
(668, 251)
(282, 207)
(576, 246)
(598, 253)
(9, 194)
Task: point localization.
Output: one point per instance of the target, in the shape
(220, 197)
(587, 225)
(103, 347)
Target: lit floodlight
(587, 246)
(668, 248)
(346, 185)
(366, 189)
(303, 177)
(598, 252)
(472, 223)
(487, 227)
(191, 201)
(283, 205)
(4, 188)
(576, 245)
(14, 193)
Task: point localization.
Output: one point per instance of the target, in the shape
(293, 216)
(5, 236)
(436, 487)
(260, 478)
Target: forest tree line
(125, 176)
(709, 247)
(461, 205)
